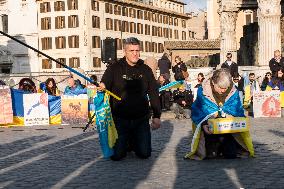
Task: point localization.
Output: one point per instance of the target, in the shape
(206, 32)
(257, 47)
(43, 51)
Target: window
(165, 19)
(60, 42)
(160, 18)
(160, 48)
(109, 24)
(62, 60)
(45, 7)
(139, 14)
(46, 64)
(183, 23)
(160, 32)
(72, 4)
(154, 31)
(124, 11)
(74, 62)
(154, 47)
(73, 21)
(96, 21)
(46, 43)
(176, 34)
(59, 22)
(46, 23)
(146, 15)
(96, 62)
(5, 23)
(108, 8)
(59, 6)
(132, 12)
(118, 44)
(125, 26)
(140, 28)
(132, 27)
(96, 41)
(183, 35)
(95, 5)
(171, 21)
(73, 41)
(147, 29)
(147, 46)
(117, 25)
(175, 22)
(141, 46)
(171, 33)
(154, 17)
(117, 10)
(166, 32)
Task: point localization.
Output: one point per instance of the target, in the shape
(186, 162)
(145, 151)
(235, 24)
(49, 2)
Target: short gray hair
(131, 41)
(222, 78)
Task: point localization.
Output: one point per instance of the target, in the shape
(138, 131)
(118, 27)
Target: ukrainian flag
(54, 108)
(18, 106)
(174, 84)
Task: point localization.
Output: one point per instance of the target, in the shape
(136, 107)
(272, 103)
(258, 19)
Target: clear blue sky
(195, 5)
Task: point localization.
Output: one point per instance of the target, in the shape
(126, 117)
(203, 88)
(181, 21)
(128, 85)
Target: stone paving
(65, 157)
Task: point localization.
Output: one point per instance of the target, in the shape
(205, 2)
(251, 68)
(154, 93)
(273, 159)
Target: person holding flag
(132, 80)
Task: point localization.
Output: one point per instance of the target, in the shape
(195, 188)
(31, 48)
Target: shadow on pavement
(76, 162)
(263, 171)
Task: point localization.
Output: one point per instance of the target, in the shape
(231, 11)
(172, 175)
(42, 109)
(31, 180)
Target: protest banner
(36, 109)
(74, 109)
(267, 104)
(6, 111)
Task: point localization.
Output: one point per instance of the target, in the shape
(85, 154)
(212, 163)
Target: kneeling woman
(217, 98)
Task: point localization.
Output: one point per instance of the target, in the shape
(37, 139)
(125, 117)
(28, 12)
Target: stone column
(228, 34)
(269, 35)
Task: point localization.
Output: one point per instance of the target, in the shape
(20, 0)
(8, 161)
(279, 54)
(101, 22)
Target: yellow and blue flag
(174, 84)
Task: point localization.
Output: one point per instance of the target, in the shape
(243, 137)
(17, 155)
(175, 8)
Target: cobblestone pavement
(64, 157)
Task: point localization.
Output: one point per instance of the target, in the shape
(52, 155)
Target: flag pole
(60, 63)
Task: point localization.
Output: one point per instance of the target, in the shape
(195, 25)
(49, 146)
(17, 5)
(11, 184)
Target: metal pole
(65, 66)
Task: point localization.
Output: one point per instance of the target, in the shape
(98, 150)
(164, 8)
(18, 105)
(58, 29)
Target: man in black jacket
(183, 100)
(276, 63)
(230, 65)
(132, 80)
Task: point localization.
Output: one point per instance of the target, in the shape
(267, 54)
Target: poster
(74, 109)
(6, 111)
(36, 109)
(267, 104)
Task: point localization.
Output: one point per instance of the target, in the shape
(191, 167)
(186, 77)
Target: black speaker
(108, 51)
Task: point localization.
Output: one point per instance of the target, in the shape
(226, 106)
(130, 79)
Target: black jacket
(177, 69)
(275, 66)
(132, 84)
(186, 96)
(164, 65)
(234, 70)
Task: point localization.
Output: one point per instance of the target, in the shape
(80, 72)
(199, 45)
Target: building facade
(19, 19)
(72, 31)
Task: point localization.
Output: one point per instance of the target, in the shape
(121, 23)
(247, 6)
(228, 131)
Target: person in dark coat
(178, 68)
(230, 65)
(164, 65)
(164, 95)
(276, 63)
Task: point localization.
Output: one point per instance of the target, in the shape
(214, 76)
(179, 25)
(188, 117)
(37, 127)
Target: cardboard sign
(228, 125)
(74, 109)
(36, 109)
(267, 104)
(6, 111)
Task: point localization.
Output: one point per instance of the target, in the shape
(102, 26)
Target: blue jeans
(134, 134)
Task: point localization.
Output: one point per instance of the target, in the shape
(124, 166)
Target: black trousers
(221, 145)
(165, 98)
(135, 134)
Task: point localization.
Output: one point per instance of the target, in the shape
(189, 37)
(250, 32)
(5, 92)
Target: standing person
(165, 95)
(266, 80)
(164, 65)
(179, 69)
(217, 98)
(276, 63)
(132, 80)
(250, 89)
(230, 65)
